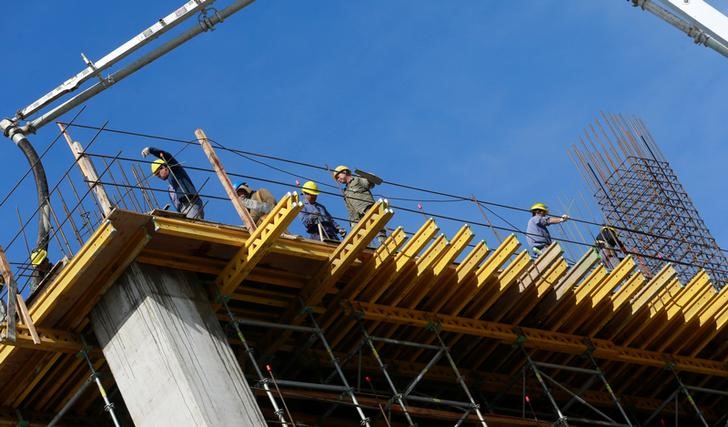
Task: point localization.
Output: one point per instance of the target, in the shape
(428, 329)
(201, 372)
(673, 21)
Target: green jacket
(358, 198)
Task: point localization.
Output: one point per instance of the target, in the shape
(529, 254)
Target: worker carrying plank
(316, 218)
(182, 192)
(357, 192)
(258, 202)
(537, 235)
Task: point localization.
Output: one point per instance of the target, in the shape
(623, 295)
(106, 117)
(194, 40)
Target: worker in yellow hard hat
(537, 235)
(316, 218)
(181, 190)
(609, 245)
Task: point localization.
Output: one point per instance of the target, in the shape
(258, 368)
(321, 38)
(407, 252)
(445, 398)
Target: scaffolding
(641, 197)
(417, 330)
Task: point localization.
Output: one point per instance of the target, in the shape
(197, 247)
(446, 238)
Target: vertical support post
(264, 381)
(609, 389)
(460, 379)
(537, 373)
(108, 406)
(224, 180)
(364, 419)
(88, 171)
(396, 395)
(689, 397)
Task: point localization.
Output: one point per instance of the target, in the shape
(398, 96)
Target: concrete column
(168, 353)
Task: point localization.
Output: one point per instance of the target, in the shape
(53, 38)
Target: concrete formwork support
(168, 353)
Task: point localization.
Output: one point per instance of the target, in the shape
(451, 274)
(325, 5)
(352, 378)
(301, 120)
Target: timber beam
(258, 244)
(539, 339)
(50, 339)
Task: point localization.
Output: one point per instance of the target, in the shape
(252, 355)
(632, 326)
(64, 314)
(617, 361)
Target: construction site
(127, 310)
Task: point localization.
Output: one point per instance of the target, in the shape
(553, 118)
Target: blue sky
(466, 97)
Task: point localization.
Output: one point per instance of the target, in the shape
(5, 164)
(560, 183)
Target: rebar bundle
(640, 195)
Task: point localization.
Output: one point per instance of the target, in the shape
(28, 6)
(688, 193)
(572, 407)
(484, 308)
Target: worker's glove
(145, 151)
(564, 218)
(342, 232)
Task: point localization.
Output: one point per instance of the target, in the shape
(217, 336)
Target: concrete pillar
(168, 353)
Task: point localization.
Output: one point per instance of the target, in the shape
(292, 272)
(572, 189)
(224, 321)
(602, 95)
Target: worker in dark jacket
(608, 245)
(316, 218)
(181, 190)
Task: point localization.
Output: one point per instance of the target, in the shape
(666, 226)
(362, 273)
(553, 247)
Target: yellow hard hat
(38, 256)
(539, 206)
(156, 165)
(310, 187)
(339, 169)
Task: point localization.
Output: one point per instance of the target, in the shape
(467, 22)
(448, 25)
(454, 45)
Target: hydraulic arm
(20, 126)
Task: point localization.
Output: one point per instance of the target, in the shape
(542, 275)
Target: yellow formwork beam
(322, 282)
(346, 253)
(653, 287)
(258, 244)
(463, 272)
(235, 236)
(423, 264)
(403, 259)
(50, 339)
(458, 243)
(576, 273)
(491, 265)
(539, 339)
(617, 301)
(692, 291)
(383, 256)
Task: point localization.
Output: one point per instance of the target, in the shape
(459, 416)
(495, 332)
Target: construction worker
(608, 243)
(537, 235)
(182, 192)
(258, 202)
(316, 218)
(357, 195)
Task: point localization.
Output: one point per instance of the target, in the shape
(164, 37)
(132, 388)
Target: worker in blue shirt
(316, 219)
(181, 190)
(537, 235)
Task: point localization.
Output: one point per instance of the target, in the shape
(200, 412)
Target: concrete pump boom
(696, 18)
(18, 132)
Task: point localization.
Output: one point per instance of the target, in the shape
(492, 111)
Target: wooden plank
(23, 310)
(88, 170)
(224, 180)
(10, 312)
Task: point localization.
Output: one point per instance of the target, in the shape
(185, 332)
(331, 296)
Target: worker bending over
(258, 202)
(316, 218)
(608, 245)
(182, 192)
(537, 235)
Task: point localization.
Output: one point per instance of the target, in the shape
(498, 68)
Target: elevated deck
(493, 308)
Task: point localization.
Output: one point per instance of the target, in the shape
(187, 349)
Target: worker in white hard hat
(316, 218)
(182, 192)
(537, 235)
(357, 192)
(258, 202)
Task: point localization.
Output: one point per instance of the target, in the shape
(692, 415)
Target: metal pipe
(264, 324)
(71, 401)
(566, 368)
(698, 36)
(407, 343)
